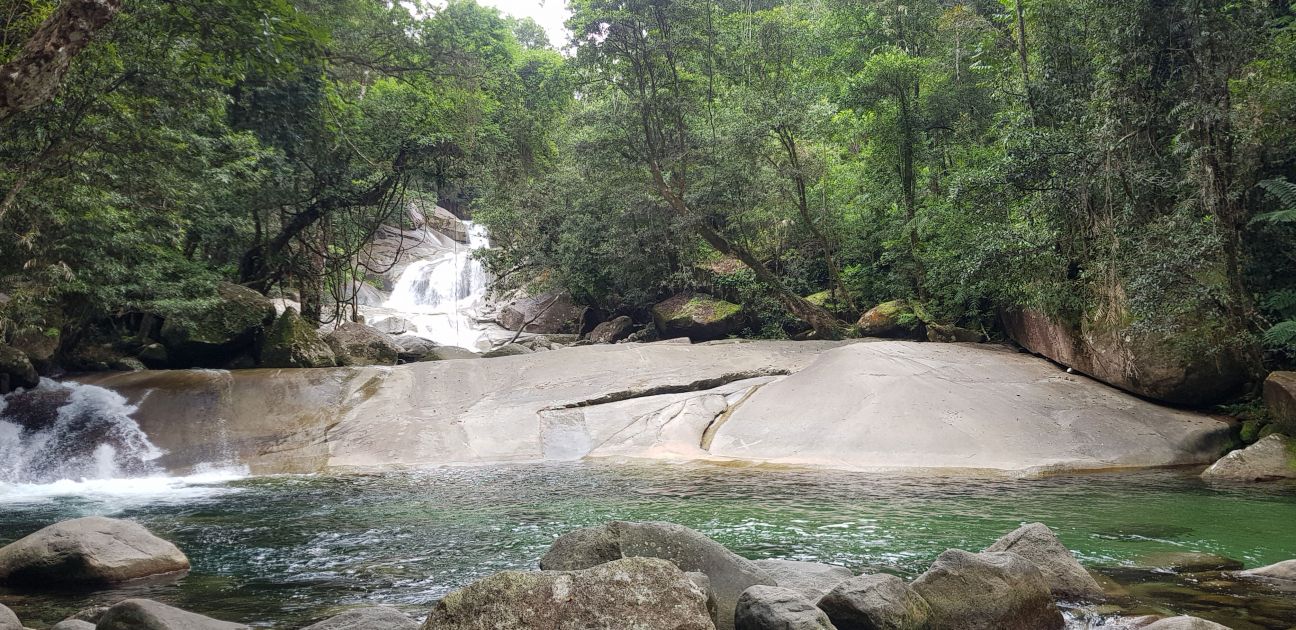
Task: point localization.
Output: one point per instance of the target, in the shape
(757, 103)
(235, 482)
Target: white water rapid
(443, 296)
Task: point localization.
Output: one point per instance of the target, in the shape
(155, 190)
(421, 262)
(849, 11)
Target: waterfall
(60, 431)
(441, 295)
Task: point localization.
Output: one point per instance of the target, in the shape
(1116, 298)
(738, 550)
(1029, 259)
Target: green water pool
(283, 551)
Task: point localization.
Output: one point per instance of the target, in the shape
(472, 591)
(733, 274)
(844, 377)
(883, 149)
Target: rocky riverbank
(662, 576)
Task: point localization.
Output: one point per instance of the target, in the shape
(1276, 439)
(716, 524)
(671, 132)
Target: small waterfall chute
(442, 295)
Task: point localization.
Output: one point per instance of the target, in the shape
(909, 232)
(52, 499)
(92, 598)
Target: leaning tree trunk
(36, 74)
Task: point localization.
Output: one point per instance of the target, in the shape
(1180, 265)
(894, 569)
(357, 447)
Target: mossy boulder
(231, 325)
(896, 319)
(698, 316)
(354, 343)
(1280, 398)
(835, 305)
(939, 333)
(294, 343)
(16, 370)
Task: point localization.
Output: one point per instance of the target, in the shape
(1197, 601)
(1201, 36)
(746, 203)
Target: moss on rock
(230, 325)
(294, 343)
(698, 316)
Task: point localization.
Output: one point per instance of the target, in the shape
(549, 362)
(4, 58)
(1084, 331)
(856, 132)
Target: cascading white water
(441, 296)
(62, 431)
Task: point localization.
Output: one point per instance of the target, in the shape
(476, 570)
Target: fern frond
(1284, 193)
(1283, 334)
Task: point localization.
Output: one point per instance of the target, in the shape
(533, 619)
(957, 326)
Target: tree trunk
(36, 74)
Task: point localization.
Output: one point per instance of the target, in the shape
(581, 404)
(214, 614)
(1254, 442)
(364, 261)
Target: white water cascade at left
(68, 438)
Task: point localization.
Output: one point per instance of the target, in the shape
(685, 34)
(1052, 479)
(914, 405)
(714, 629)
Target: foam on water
(116, 494)
(442, 295)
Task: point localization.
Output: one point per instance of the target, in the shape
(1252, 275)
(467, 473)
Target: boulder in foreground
(628, 594)
(987, 591)
(8, 620)
(811, 579)
(88, 551)
(729, 573)
(776, 608)
(370, 618)
(697, 316)
(1038, 544)
(146, 614)
(1185, 622)
(71, 624)
(1270, 459)
(876, 602)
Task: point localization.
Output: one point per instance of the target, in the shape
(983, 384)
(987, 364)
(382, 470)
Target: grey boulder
(629, 594)
(371, 618)
(613, 330)
(987, 591)
(357, 344)
(1284, 571)
(8, 620)
(729, 573)
(71, 624)
(507, 350)
(1270, 459)
(90, 550)
(876, 602)
(1184, 622)
(1066, 578)
(146, 614)
(811, 579)
(777, 608)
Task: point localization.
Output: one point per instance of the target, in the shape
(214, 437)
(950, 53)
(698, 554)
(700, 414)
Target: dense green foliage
(1125, 164)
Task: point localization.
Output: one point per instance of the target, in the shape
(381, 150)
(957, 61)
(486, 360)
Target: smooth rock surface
(876, 602)
(1280, 398)
(371, 618)
(1270, 459)
(90, 550)
(71, 624)
(729, 573)
(1038, 544)
(1284, 571)
(987, 591)
(1188, 562)
(1185, 622)
(145, 614)
(898, 405)
(8, 620)
(811, 579)
(777, 608)
(627, 594)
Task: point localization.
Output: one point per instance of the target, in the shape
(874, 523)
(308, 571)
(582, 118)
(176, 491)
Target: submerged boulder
(1038, 544)
(1177, 363)
(546, 313)
(697, 316)
(811, 579)
(230, 325)
(876, 602)
(1270, 459)
(895, 319)
(357, 344)
(88, 551)
(1184, 622)
(987, 591)
(293, 343)
(613, 330)
(627, 594)
(1280, 397)
(1188, 562)
(146, 614)
(16, 370)
(370, 618)
(777, 608)
(729, 573)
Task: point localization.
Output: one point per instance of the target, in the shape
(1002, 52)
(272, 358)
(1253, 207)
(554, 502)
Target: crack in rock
(658, 390)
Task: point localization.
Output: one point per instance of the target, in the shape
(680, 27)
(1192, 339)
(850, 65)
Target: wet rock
(92, 614)
(697, 316)
(372, 618)
(631, 593)
(613, 330)
(91, 550)
(450, 353)
(414, 348)
(394, 325)
(552, 312)
(811, 579)
(16, 370)
(8, 620)
(1038, 544)
(647, 334)
(154, 355)
(987, 591)
(1178, 362)
(357, 344)
(1280, 397)
(1189, 562)
(231, 325)
(876, 602)
(1284, 571)
(146, 614)
(1185, 622)
(777, 608)
(729, 573)
(700, 580)
(1270, 459)
(39, 344)
(71, 624)
(895, 319)
(507, 350)
(293, 343)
